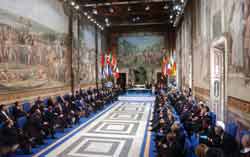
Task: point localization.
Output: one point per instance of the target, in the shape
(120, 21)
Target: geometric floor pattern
(118, 132)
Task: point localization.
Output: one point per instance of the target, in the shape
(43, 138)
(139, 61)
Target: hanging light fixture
(129, 9)
(165, 6)
(106, 20)
(95, 10)
(147, 8)
(73, 3)
(111, 10)
(77, 7)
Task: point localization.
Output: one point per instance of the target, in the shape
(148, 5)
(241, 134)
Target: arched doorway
(218, 77)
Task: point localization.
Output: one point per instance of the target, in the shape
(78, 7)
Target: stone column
(70, 51)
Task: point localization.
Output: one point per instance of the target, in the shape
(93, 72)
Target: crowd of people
(46, 117)
(184, 128)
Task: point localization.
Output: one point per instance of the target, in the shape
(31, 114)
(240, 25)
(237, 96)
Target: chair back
(45, 101)
(213, 116)
(189, 150)
(231, 128)
(21, 121)
(10, 110)
(244, 132)
(194, 139)
(1, 125)
(26, 107)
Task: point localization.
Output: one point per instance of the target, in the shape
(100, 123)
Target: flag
(164, 65)
(109, 57)
(102, 73)
(110, 72)
(102, 60)
(174, 69)
(114, 61)
(116, 73)
(169, 70)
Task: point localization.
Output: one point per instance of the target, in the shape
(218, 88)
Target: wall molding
(201, 94)
(239, 104)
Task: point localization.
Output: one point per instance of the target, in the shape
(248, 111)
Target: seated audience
(46, 117)
(192, 126)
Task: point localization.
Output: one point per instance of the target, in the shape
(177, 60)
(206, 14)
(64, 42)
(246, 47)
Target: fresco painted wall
(34, 49)
(84, 53)
(84, 56)
(141, 53)
(33, 52)
(204, 22)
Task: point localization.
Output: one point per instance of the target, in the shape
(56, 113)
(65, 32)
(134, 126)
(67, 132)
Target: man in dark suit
(48, 119)
(17, 111)
(34, 127)
(4, 116)
(170, 147)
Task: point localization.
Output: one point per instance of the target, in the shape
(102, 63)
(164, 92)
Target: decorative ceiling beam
(123, 3)
(138, 24)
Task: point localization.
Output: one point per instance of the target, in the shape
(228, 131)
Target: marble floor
(118, 131)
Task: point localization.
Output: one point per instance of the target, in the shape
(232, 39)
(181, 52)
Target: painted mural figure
(30, 54)
(140, 53)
